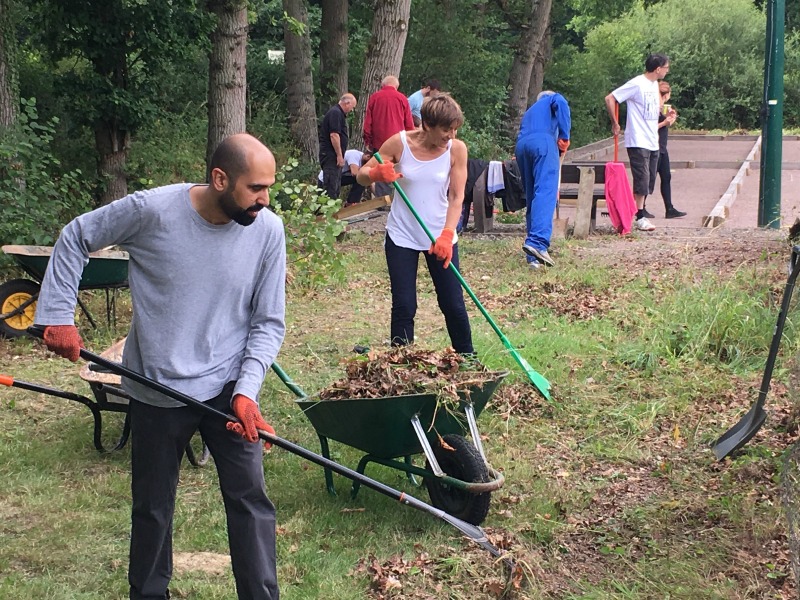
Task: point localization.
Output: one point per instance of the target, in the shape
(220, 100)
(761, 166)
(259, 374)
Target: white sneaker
(644, 225)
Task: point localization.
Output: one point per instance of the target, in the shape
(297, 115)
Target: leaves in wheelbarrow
(408, 370)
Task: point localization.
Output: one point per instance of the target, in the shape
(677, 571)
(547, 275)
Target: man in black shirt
(333, 139)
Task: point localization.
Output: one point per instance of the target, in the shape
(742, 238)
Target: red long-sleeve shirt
(387, 113)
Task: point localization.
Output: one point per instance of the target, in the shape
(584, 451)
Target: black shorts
(644, 167)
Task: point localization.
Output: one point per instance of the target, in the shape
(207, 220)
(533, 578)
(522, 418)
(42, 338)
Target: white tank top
(425, 183)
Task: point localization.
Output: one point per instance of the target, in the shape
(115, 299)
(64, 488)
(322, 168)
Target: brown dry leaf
(408, 370)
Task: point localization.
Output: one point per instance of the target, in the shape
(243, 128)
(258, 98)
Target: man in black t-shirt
(333, 139)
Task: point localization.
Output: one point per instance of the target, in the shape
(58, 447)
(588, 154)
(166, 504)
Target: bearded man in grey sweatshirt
(206, 273)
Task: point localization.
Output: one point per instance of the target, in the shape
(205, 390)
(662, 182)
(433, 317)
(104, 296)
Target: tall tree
(533, 29)
(117, 49)
(227, 72)
(9, 86)
(299, 80)
(384, 53)
(333, 49)
(543, 56)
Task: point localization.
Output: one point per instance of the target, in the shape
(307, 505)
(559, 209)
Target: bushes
(311, 230)
(36, 197)
(716, 51)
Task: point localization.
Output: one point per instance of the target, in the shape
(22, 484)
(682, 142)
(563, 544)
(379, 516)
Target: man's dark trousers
(331, 174)
(158, 439)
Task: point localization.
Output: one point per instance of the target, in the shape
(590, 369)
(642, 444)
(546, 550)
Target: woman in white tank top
(433, 166)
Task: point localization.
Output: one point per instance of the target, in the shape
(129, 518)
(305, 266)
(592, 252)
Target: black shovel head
(738, 435)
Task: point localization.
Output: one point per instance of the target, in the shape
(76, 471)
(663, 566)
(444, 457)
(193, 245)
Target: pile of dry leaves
(408, 370)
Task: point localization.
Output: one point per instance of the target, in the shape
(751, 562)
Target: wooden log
(362, 207)
(583, 211)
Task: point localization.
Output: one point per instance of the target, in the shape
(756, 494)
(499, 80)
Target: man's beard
(232, 210)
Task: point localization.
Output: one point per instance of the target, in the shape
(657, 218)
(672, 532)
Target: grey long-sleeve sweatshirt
(208, 300)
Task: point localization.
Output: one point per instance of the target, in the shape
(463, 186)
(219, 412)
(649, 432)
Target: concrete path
(715, 179)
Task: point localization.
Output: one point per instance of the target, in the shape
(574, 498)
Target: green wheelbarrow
(106, 270)
(457, 474)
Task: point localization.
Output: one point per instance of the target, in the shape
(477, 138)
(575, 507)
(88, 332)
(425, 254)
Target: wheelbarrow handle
(473, 532)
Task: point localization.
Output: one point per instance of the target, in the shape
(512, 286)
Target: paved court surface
(703, 168)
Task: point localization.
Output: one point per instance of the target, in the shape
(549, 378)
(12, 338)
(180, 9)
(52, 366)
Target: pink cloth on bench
(619, 197)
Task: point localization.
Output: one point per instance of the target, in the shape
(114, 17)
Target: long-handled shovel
(738, 435)
(473, 532)
(535, 378)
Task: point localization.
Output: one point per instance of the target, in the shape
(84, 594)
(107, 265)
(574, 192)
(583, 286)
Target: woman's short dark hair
(441, 111)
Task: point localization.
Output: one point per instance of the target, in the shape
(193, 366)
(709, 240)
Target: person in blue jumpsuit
(543, 136)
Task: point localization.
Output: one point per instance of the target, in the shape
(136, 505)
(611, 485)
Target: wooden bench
(583, 186)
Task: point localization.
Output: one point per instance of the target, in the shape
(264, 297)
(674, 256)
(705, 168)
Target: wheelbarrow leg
(326, 452)
(98, 427)
(87, 313)
(426, 447)
(473, 431)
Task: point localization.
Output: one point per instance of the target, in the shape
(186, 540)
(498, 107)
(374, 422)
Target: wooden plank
(362, 207)
(583, 212)
(573, 202)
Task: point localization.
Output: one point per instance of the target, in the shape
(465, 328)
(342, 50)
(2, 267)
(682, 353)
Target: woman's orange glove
(64, 340)
(384, 173)
(443, 246)
(563, 145)
(246, 410)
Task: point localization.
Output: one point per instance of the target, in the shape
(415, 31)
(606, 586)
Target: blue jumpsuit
(546, 121)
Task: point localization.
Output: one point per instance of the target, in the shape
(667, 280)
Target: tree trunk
(112, 144)
(333, 48)
(520, 76)
(384, 54)
(227, 72)
(9, 85)
(539, 62)
(300, 81)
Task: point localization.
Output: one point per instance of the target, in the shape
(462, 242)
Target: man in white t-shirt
(353, 159)
(641, 96)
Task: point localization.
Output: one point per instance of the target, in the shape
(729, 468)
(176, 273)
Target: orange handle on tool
(6, 380)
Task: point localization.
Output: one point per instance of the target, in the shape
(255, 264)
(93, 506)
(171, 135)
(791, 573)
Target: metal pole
(769, 197)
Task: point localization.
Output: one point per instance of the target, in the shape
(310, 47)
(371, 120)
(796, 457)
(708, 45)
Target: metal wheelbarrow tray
(457, 475)
(106, 270)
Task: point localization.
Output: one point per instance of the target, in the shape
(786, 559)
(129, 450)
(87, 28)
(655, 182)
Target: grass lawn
(655, 345)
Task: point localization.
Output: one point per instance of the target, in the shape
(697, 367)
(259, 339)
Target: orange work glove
(64, 340)
(384, 173)
(246, 410)
(443, 247)
(563, 145)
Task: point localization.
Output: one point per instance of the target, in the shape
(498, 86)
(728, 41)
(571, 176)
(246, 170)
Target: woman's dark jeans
(403, 264)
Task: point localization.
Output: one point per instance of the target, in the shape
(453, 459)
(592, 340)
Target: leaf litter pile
(409, 370)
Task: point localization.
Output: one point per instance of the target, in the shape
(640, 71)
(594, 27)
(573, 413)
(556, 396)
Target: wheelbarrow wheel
(14, 294)
(463, 462)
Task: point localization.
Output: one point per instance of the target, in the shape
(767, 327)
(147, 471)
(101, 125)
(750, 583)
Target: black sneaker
(647, 214)
(674, 213)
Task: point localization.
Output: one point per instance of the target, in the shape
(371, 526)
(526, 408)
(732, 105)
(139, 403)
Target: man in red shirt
(388, 112)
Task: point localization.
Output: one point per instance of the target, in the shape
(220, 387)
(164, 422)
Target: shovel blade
(741, 433)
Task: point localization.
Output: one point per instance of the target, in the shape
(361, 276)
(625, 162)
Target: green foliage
(716, 58)
(470, 57)
(36, 196)
(169, 149)
(311, 229)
